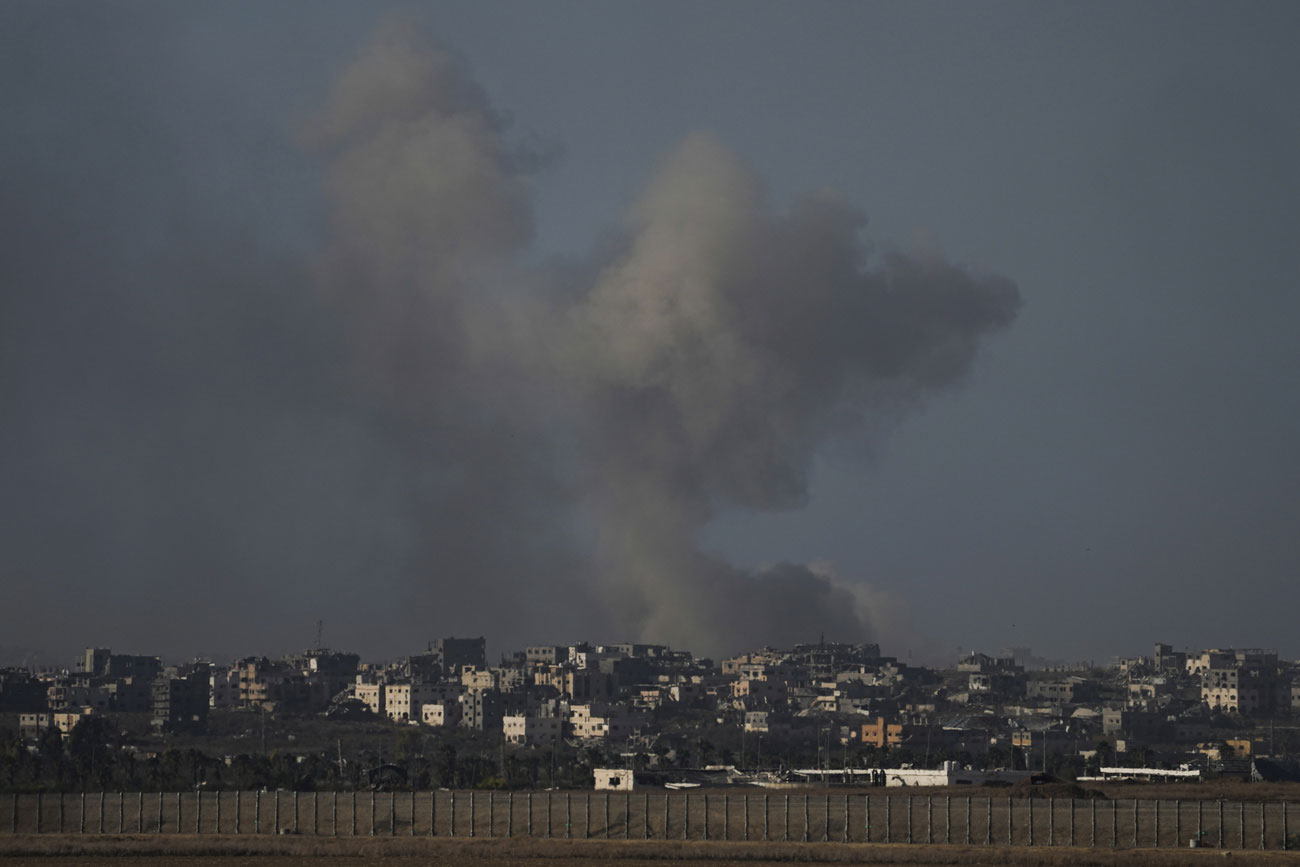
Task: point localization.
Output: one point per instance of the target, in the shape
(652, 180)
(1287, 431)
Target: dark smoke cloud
(420, 431)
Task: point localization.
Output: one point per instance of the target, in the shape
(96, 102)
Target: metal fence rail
(850, 818)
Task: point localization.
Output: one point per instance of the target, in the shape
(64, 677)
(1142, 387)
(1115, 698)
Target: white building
(532, 730)
(440, 713)
(613, 780)
(404, 702)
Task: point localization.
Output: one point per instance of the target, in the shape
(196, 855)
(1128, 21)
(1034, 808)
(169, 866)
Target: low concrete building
(613, 780)
(526, 730)
(440, 713)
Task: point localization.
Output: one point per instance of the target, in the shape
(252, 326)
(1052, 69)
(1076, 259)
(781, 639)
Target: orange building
(880, 735)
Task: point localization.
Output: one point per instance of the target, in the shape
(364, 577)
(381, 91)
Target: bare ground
(124, 850)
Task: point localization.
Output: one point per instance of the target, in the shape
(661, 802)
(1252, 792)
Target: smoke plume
(696, 363)
(255, 375)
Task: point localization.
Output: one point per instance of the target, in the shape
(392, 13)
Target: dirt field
(47, 851)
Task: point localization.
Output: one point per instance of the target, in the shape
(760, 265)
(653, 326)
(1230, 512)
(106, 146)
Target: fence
(978, 821)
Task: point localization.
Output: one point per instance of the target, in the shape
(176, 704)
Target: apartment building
(528, 730)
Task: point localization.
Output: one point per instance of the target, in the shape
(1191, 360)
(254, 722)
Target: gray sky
(303, 318)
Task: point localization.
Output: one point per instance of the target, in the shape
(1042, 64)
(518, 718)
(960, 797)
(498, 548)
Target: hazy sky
(550, 321)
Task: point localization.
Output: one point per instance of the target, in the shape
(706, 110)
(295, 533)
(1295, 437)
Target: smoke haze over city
(557, 323)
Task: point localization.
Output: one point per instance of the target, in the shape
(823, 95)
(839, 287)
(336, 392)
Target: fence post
(805, 818)
(665, 816)
(198, 812)
(372, 814)
(846, 819)
(354, 809)
(433, 812)
(746, 797)
(139, 812)
(568, 814)
(929, 819)
(889, 817)
(13, 813)
(1241, 824)
(160, 811)
(510, 814)
(826, 820)
(121, 812)
(178, 812)
(968, 820)
(492, 802)
(529, 799)
(295, 811)
(237, 811)
(471, 812)
(1051, 821)
(1178, 822)
(627, 815)
(866, 818)
(947, 818)
(909, 818)
(1092, 823)
(1156, 806)
(257, 812)
(786, 835)
(1114, 824)
(60, 812)
(765, 816)
(1286, 844)
(218, 828)
(1135, 823)
(38, 812)
(451, 811)
(81, 821)
(706, 816)
(1263, 821)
